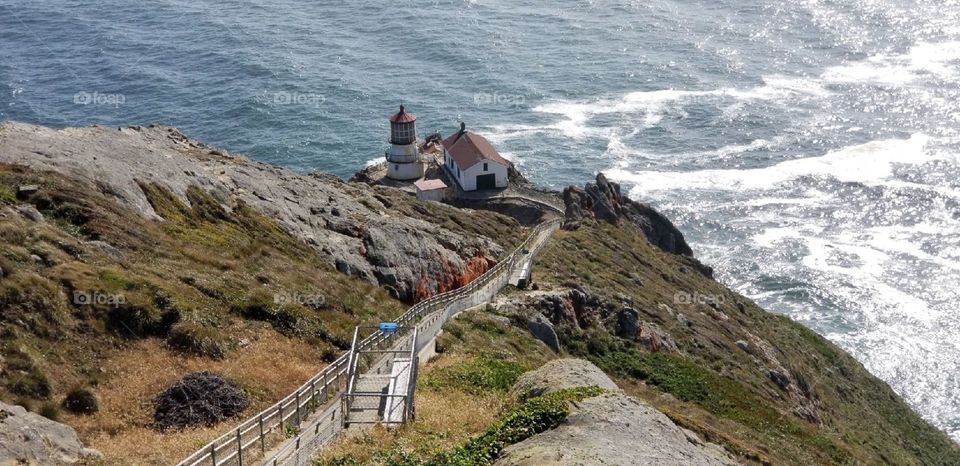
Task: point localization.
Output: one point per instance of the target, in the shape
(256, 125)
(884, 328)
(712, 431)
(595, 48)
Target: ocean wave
(870, 163)
(654, 104)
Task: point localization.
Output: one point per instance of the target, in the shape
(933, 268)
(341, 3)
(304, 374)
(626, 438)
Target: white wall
(432, 195)
(406, 171)
(468, 177)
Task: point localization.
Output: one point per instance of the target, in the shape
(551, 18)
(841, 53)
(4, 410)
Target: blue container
(388, 327)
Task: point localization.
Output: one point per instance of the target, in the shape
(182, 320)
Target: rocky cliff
(357, 229)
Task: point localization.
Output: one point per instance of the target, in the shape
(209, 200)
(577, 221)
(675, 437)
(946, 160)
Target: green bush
(7, 195)
(288, 319)
(23, 377)
(136, 321)
(32, 384)
(50, 411)
(81, 401)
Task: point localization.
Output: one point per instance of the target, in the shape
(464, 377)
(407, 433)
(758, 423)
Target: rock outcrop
(560, 374)
(615, 429)
(543, 330)
(602, 200)
(349, 223)
(610, 429)
(30, 439)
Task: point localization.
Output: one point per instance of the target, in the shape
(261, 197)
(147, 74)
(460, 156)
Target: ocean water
(810, 149)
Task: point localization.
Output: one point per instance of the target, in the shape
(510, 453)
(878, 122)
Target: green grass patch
(7, 195)
(479, 375)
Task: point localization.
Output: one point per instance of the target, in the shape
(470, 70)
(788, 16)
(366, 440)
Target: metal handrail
(230, 447)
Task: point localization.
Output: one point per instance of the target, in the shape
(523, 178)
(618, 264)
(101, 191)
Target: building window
(396, 167)
(458, 172)
(484, 167)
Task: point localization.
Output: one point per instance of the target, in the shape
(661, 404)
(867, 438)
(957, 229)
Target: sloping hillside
(104, 293)
(769, 391)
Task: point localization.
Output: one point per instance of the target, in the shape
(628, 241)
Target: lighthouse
(403, 157)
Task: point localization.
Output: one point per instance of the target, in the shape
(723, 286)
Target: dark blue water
(808, 148)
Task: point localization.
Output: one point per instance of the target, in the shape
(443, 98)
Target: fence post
(239, 447)
(297, 406)
(213, 452)
(325, 387)
(263, 444)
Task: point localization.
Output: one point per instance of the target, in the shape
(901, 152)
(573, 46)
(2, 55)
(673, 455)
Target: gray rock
(28, 438)
(27, 190)
(779, 378)
(543, 330)
(358, 238)
(654, 339)
(745, 346)
(106, 248)
(560, 374)
(684, 320)
(30, 212)
(628, 323)
(503, 320)
(614, 429)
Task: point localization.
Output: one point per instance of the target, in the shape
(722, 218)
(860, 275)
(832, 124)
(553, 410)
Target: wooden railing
(248, 441)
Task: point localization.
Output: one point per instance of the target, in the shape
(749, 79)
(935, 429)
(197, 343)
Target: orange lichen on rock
(450, 278)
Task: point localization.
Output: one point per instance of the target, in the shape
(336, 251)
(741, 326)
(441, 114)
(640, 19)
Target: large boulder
(561, 374)
(614, 429)
(30, 439)
(542, 330)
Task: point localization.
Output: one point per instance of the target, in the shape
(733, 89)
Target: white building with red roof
(473, 162)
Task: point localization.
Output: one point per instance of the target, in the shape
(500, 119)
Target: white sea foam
(919, 63)
(871, 163)
(653, 104)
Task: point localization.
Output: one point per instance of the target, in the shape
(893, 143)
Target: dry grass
(269, 368)
(445, 418)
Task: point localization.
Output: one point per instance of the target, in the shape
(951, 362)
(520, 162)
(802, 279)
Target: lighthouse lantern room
(404, 161)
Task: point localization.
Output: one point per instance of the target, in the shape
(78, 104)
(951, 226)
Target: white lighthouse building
(404, 161)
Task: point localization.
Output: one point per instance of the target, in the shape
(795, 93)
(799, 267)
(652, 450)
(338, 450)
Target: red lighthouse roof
(403, 117)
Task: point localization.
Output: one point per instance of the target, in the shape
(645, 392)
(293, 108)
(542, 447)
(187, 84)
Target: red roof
(402, 117)
(468, 149)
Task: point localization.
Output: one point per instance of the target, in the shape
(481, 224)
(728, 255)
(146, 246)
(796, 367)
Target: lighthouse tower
(403, 158)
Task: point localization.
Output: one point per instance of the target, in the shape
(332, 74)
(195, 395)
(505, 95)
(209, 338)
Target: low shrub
(81, 401)
(195, 338)
(137, 321)
(50, 411)
(23, 377)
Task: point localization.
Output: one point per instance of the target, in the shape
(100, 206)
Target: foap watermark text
(682, 297)
(482, 99)
(97, 298)
(97, 98)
